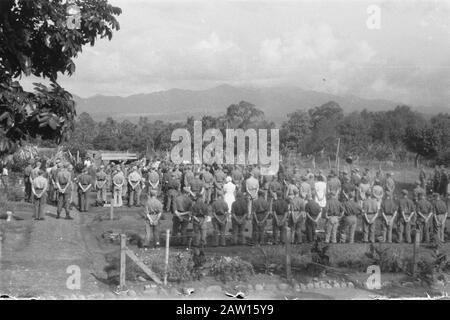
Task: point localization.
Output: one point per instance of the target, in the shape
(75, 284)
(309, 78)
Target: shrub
(230, 269)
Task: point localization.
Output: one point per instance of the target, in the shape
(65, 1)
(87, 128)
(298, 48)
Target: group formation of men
(295, 198)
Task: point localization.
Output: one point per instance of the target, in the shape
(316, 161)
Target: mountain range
(178, 104)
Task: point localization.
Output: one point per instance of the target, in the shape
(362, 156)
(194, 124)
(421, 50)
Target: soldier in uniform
(440, 216)
(261, 212)
(153, 210)
(417, 191)
(134, 188)
(333, 212)
(297, 217)
(351, 212)
(305, 189)
(370, 214)
(424, 218)
(238, 177)
(181, 215)
(196, 186)
(252, 188)
(200, 211)
(39, 187)
(219, 220)
(280, 214)
(219, 180)
(333, 185)
(27, 181)
(153, 181)
(389, 213)
(406, 219)
(390, 184)
(208, 184)
(274, 190)
(118, 182)
(313, 214)
(239, 214)
(84, 185)
(64, 190)
(100, 186)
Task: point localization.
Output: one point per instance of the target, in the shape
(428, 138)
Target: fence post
(111, 209)
(123, 258)
(416, 243)
(166, 267)
(288, 254)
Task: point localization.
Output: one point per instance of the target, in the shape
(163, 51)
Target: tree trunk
(416, 160)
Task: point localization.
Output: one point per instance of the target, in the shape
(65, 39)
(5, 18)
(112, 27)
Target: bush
(230, 269)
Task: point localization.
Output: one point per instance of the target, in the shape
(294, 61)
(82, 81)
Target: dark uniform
(333, 211)
(280, 209)
(182, 204)
(388, 207)
(405, 207)
(440, 211)
(260, 210)
(84, 180)
(351, 211)
(297, 218)
(423, 226)
(220, 209)
(239, 209)
(199, 214)
(313, 209)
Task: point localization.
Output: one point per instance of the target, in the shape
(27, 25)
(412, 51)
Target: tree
(422, 141)
(243, 115)
(354, 133)
(324, 120)
(37, 38)
(295, 131)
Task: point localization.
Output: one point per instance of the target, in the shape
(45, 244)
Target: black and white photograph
(244, 153)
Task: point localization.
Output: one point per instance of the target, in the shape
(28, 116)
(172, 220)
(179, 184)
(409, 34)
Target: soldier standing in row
(64, 190)
(370, 214)
(389, 213)
(424, 218)
(134, 188)
(280, 211)
(219, 220)
(153, 211)
(200, 211)
(333, 212)
(406, 220)
(351, 211)
(239, 214)
(39, 187)
(440, 216)
(84, 185)
(182, 207)
(118, 181)
(297, 217)
(261, 212)
(100, 186)
(313, 213)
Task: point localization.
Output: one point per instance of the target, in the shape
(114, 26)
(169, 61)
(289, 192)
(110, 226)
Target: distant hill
(177, 104)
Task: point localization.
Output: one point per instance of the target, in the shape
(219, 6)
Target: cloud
(323, 47)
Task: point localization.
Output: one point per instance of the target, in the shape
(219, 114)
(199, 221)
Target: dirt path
(35, 260)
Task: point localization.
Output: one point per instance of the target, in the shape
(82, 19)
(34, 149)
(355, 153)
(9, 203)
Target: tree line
(382, 135)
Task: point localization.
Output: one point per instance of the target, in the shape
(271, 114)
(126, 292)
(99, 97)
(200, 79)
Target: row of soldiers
(288, 199)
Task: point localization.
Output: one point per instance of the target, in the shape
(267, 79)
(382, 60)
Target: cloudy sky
(317, 45)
